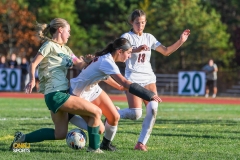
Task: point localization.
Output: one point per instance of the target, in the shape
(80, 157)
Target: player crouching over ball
(104, 68)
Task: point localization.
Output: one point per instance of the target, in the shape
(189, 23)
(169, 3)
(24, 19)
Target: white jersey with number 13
(138, 67)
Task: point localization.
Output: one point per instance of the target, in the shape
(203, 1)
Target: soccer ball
(76, 139)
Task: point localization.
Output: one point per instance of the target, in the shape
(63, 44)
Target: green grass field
(182, 131)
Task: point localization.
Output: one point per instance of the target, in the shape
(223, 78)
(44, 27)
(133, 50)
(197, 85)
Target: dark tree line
(214, 27)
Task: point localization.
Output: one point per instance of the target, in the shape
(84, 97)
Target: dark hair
(120, 43)
(135, 14)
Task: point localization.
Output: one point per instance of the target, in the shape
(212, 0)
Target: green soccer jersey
(53, 68)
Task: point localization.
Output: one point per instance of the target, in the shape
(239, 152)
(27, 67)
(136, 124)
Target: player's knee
(98, 113)
(116, 117)
(136, 114)
(113, 119)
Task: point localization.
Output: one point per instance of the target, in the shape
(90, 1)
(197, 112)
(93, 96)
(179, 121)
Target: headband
(125, 46)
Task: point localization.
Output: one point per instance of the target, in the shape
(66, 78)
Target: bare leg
(110, 112)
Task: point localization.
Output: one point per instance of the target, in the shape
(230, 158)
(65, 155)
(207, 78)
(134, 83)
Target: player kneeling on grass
(55, 58)
(85, 85)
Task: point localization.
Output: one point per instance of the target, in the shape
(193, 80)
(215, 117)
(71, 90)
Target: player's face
(210, 62)
(66, 33)
(139, 24)
(124, 55)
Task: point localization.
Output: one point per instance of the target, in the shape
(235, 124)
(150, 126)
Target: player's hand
(121, 88)
(156, 98)
(142, 47)
(184, 35)
(30, 86)
(89, 57)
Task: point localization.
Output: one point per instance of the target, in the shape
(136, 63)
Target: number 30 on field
(191, 83)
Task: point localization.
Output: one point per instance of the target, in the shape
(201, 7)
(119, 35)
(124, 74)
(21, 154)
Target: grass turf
(181, 131)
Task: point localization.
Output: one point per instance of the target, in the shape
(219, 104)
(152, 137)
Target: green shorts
(55, 100)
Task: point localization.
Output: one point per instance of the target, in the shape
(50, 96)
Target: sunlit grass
(182, 131)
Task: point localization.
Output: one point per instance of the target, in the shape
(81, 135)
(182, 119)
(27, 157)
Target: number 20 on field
(191, 83)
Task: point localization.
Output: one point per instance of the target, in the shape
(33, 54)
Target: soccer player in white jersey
(103, 67)
(139, 70)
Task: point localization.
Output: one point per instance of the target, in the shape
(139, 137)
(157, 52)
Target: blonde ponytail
(44, 29)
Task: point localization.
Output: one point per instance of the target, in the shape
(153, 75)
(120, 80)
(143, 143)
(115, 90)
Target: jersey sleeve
(155, 42)
(109, 67)
(70, 52)
(127, 36)
(215, 66)
(74, 58)
(45, 49)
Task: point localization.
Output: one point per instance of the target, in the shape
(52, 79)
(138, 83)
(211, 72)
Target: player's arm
(166, 51)
(81, 62)
(110, 81)
(215, 67)
(32, 69)
(136, 89)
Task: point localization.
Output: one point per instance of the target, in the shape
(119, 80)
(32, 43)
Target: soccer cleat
(17, 139)
(141, 147)
(89, 149)
(108, 147)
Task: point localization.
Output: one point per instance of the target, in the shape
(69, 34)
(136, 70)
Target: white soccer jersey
(99, 69)
(138, 67)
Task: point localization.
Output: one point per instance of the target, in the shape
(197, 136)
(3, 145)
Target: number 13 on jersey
(191, 83)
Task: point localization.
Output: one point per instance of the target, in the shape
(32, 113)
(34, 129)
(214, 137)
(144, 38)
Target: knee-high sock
(110, 131)
(40, 135)
(148, 122)
(94, 137)
(130, 113)
(79, 122)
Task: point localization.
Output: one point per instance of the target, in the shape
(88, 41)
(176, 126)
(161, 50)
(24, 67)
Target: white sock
(148, 122)
(79, 122)
(130, 113)
(110, 131)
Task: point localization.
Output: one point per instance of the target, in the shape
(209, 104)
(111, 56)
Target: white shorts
(92, 93)
(141, 79)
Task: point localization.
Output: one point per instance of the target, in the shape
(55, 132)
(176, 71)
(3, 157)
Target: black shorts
(211, 83)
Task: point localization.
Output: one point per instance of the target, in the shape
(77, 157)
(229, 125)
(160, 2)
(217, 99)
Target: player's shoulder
(148, 35)
(47, 45)
(107, 58)
(126, 35)
(68, 49)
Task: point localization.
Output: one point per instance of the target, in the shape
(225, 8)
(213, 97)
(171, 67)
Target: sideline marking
(6, 137)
